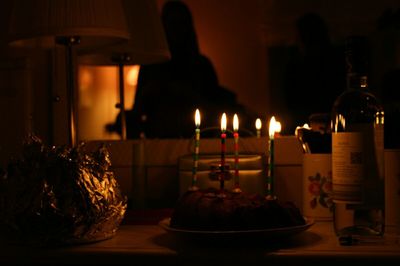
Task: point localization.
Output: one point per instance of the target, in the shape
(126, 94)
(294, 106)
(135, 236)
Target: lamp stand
(121, 60)
(68, 42)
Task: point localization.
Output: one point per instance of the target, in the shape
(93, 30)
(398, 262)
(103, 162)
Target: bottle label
(357, 164)
(347, 167)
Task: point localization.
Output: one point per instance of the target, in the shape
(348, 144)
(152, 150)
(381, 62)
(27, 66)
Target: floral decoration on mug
(320, 187)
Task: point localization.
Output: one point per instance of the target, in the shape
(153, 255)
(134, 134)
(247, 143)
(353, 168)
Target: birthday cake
(213, 210)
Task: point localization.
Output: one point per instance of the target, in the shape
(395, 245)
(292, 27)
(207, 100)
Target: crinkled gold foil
(59, 195)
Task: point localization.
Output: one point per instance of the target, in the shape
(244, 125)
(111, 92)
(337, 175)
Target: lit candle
(270, 178)
(236, 151)
(301, 133)
(223, 150)
(258, 127)
(278, 128)
(196, 150)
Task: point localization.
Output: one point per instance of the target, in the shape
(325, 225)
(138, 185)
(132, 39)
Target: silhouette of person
(168, 93)
(386, 71)
(315, 74)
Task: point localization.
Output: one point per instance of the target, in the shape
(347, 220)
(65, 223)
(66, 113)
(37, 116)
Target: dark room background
(246, 40)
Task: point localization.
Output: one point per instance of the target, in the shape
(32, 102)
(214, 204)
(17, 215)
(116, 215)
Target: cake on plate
(215, 210)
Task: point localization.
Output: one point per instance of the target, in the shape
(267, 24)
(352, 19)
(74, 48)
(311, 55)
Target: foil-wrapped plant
(59, 195)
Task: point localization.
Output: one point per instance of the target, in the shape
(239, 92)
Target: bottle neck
(357, 81)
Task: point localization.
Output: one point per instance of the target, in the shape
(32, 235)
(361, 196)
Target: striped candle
(196, 150)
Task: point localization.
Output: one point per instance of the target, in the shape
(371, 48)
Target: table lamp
(46, 23)
(147, 45)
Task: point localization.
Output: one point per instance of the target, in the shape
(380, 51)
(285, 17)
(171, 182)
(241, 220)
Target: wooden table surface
(152, 245)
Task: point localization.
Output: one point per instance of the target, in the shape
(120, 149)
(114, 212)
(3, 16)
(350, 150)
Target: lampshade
(147, 44)
(44, 23)
(36, 23)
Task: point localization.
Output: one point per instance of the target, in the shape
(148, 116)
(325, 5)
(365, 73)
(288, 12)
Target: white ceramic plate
(265, 233)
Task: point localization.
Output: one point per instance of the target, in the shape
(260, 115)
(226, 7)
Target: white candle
(258, 127)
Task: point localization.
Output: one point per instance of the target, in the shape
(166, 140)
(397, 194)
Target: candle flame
(306, 126)
(223, 122)
(258, 124)
(235, 123)
(272, 127)
(278, 127)
(197, 118)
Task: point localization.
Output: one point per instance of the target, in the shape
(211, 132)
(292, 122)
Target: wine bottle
(357, 151)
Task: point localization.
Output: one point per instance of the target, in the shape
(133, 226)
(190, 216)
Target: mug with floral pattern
(317, 186)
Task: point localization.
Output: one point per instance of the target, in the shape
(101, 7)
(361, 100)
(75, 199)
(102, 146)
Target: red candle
(236, 152)
(270, 178)
(223, 150)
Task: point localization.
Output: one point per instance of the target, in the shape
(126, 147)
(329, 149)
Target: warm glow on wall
(98, 96)
(85, 83)
(86, 78)
(132, 75)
